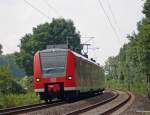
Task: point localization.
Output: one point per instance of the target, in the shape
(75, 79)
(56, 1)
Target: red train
(63, 73)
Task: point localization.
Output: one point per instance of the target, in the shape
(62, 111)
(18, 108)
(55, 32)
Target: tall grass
(138, 87)
(14, 100)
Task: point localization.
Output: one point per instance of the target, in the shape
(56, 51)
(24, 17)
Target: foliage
(132, 66)
(1, 49)
(14, 100)
(117, 84)
(13, 93)
(7, 85)
(146, 10)
(59, 31)
(9, 60)
(27, 83)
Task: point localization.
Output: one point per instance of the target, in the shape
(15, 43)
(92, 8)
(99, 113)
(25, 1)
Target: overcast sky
(18, 18)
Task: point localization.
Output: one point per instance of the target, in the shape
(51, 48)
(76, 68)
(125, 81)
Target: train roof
(76, 54)
(80, 56)
(53, 49)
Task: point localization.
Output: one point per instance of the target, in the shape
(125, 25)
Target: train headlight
(69, 78)
(38, 79)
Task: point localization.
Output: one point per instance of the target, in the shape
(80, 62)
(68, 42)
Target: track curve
(106, 107)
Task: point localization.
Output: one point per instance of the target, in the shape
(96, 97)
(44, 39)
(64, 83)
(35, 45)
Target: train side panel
(90, 77)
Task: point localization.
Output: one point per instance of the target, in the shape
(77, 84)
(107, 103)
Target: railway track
(70, 108)
(113, 109)
(29, 108)
(104, 107)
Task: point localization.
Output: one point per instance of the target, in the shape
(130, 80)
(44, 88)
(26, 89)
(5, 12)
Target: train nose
(53, 88)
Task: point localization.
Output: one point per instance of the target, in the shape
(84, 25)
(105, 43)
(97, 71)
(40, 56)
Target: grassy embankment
(14, 100)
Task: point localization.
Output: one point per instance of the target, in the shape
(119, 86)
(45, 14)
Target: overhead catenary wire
(90, 38)
(38, 10)
(113, 16)
(52, 7)
(109, 21)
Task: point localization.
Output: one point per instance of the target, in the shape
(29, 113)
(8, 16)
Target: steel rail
(28, 108)
(110, 111)
(82, 110)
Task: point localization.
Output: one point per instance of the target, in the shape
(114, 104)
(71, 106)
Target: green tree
(7, 85)
(1, 49)
(144, 42)
(111, 68)
(9, 59)
(146, 9)
(59, 31)
(133, 60)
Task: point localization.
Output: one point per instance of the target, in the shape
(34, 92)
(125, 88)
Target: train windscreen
(53, 63)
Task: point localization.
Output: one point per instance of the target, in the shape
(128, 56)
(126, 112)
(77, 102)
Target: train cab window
(53, 63)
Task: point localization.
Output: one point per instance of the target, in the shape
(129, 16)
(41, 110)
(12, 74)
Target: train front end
(51, 73)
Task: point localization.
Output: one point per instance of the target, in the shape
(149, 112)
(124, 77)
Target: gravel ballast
(141, 106)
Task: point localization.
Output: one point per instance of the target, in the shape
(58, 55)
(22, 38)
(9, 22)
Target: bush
(14, 100)
(7, 84)
(27, 83)
(138, 87)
